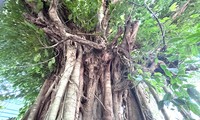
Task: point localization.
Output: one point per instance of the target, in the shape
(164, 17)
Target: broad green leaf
(164, 19)
(194, 16)
(167, 72)
(173, 7)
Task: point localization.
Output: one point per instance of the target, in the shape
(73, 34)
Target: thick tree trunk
(90, 82)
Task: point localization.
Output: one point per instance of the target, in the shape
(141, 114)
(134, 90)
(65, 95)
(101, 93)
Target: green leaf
(173, 7)
(51, 62)
(194, 16)
(140, 71)
(194, 108)
(122, 17)
(37, 57)
(36, 49)
(167, 72)
(37, 69)
(46, 53)
(164, 19)
(173, 81)
(157, 74)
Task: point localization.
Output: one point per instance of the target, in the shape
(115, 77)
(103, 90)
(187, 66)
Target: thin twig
(160, 25)
(53, 46)
(100, 102)
(23, 66)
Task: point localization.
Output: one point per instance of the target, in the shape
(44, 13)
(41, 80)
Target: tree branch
(131, 29)
(115, 39)
(160, 25)
(59, 26)
(103, 17)
(84, 41)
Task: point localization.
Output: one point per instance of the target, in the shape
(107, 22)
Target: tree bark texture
(90, 81)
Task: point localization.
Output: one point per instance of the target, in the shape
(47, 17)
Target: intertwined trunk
(90, 81)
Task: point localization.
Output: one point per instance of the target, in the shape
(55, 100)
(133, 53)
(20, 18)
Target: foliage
(24, 62)
(83, 12)
(182, 38)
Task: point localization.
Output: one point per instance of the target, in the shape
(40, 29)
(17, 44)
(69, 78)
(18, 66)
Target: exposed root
(108, 114)
(72, 89)
(80, 93)
(71, 58)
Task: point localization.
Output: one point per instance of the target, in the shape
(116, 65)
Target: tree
(88, 64)
(94, 66)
